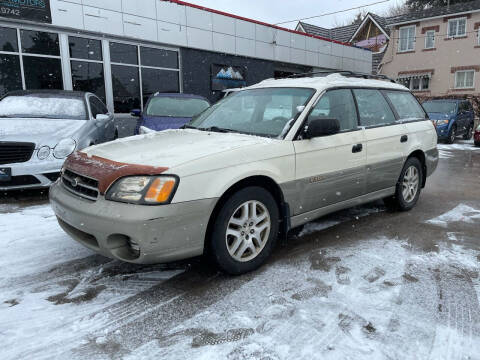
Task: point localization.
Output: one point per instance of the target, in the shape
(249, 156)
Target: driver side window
(337, 104)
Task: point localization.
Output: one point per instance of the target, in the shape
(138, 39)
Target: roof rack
(346, 73)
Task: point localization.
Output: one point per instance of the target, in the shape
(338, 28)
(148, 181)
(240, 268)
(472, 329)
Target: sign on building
(31, 10)
(227, 77)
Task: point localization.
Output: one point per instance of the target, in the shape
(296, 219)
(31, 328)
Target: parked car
(234, 180)
(39, 129)
(476, 137)
(169, 111)
(452, 118)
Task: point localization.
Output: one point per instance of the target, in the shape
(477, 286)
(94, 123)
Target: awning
(415, 75)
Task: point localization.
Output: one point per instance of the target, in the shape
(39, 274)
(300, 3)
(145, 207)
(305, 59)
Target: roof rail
(346, 73)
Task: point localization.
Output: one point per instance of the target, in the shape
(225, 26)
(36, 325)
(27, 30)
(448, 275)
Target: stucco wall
(448, 54)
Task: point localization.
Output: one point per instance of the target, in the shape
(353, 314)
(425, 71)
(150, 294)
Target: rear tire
(409, 187)
(469, 133)
(452, 135)
(245, 231)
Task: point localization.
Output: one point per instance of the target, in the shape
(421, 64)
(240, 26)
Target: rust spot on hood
(106, 171)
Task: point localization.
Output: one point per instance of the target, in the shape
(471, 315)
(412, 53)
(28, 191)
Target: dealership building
(126, 50)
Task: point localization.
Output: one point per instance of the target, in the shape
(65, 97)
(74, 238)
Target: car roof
(327, 82)
(180, 95)
(65, 93)
(446, 100)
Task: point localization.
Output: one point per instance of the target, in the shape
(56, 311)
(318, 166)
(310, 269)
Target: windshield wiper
(216, 129)
(189, 127)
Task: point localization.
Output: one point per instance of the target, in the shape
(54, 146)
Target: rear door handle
(357, 148)
(404, 139)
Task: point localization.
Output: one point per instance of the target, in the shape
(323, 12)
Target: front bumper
(163, 233)
(442, 131)
(33, 174)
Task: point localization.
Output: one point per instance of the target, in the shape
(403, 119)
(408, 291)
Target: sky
(275, 11)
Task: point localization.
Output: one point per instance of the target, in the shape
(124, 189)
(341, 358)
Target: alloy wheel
(248, 231)
(410, 184)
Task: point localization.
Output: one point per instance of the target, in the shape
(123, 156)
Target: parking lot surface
(363, 283)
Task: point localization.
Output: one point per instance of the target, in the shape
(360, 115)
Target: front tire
(452, 135)
(245, 231)
(408, 187)
(469, 133)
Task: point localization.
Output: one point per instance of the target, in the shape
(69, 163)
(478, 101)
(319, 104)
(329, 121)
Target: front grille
(80, 185)
(23, 180)
(15, 152)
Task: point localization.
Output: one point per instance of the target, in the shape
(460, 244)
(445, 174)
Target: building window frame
(478, 36)
(464, 85)
(457, 27)
(139, 65)
(65, 59)
(430, 35)
(409, 82)
(410, 40)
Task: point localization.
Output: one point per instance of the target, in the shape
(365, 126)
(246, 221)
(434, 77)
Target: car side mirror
(101, 119)
(318, 127)
(136, 112)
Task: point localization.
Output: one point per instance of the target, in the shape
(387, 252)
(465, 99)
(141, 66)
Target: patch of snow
(39, 107)
(463, 145)
(461, 212)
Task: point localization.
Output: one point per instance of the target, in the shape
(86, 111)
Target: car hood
(39, 131)
(439, 116)
(172, 148)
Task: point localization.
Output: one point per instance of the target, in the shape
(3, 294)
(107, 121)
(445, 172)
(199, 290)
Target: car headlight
(43, 152)
(64, 148)
(443, 122)
(146, 190)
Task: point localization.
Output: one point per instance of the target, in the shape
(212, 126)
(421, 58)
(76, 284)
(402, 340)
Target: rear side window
(337, 104)
(373, 108)
(406, 106)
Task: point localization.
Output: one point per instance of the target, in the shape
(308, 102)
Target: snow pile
(38, 107)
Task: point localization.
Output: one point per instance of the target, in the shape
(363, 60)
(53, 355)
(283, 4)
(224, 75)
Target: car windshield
(176, 107)
(265, 112)
(44, 107)
(440, 107)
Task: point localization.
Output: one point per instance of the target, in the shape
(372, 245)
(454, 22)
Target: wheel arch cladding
(260, 181)
(420, 155)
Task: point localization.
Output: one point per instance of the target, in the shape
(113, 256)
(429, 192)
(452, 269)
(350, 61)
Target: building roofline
(369, 16)
(218, 12)
(433, 17)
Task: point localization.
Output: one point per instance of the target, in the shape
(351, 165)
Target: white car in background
(262, 161)
(39, 129)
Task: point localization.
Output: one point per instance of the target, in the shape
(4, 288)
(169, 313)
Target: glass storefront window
(126, 88)
(159, 58)
(10, 75)
(42, 73)
(39, 42)
(123, 53)
(82, 48)
(163, 81)
(88, 76)
(8, 39)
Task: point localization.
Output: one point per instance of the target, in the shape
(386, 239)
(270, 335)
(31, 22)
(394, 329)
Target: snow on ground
(49, 284)
(367, 298)
(445, 150)
(462, 212)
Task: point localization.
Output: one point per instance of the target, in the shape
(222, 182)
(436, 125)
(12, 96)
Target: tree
(396, 10)
(417, 5)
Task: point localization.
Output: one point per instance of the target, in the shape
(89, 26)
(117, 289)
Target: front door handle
(357, 148)
(404, 139)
